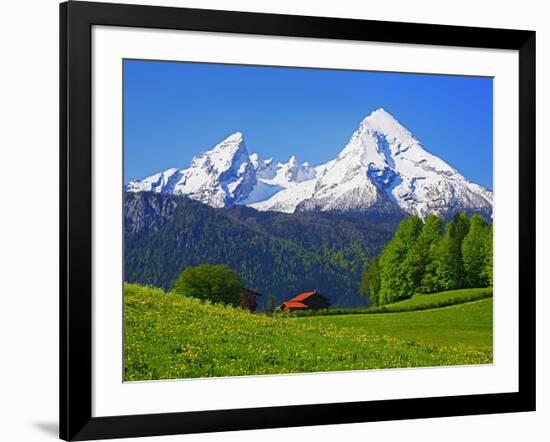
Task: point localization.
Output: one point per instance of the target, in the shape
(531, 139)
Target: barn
(248, 299)
(306, 301)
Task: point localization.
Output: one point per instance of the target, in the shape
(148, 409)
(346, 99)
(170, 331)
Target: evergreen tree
(394, 284)
(474, 249)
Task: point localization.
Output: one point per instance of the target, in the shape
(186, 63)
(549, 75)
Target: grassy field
(168, 336)
(468, 325)
(417, 302)
(435, 300)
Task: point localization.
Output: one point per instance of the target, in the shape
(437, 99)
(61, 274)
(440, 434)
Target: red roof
(294, 304)
(302, 296)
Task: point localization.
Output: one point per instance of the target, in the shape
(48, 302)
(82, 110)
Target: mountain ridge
(382, 165)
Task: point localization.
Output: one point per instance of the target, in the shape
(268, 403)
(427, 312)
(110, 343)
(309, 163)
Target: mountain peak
(381, 164)
(223, 153)
(255, 160)
(383, 122)
(235, 137)
(382, 112)
(219, 176)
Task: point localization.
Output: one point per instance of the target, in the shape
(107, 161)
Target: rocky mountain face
(383, 168)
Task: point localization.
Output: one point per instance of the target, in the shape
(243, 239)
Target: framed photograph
(273, 220)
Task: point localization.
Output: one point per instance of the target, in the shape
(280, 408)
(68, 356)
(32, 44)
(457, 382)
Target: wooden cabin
(306, 301)
(248, 299)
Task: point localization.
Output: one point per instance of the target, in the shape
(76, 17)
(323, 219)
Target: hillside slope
(168, 336)
(278, 254)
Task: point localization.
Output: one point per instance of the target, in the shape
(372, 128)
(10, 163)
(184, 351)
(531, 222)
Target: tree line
(427, 256)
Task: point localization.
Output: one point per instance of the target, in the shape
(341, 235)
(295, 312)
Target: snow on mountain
(293, 172)
(219, 177)
(381, 163)
(284, 174)
(284, 185)
(162, 182)
(265, 169)
(287, 199)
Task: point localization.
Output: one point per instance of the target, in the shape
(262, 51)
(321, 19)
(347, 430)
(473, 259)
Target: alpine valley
(290, 227)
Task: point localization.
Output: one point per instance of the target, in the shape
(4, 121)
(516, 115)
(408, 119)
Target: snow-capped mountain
(219, 177)
(382, 164)
(226, 175)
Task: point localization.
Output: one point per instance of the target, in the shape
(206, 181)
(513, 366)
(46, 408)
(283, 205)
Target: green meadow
(169, 336)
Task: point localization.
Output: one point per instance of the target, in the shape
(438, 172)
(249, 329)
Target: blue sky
(175, 110)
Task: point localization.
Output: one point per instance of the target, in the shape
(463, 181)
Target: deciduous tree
(218, 283)
(474, 249)
(394, 285)
(370, 281)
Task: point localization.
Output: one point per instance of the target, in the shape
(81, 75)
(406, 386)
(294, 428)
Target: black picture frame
(76, 21)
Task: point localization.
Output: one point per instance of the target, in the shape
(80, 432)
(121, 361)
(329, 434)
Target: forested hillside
(275, 253)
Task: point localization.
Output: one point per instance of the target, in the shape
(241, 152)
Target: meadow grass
(168, 336)
(435, 300)
(468, 325)
(417, 302)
